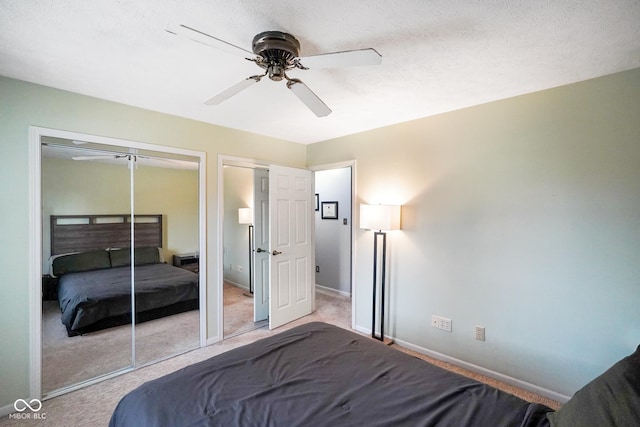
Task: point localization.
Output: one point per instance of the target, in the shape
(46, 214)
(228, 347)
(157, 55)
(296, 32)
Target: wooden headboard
(81, 233)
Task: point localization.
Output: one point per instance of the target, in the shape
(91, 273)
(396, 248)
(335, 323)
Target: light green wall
(23, 104)
(522, 216)
(174, 194)
(83, 187)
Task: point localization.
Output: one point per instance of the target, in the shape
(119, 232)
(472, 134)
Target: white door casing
(261, 244)
(291, 244)
(35, 238)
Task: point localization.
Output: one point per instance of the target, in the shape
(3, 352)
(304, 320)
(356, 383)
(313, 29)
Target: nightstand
(188, 262)
(49, 288)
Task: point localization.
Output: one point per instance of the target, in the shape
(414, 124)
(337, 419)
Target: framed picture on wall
(317, 202)
(329, 210)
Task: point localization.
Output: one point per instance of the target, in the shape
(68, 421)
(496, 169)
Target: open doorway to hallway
(333, 222)
(282, 253)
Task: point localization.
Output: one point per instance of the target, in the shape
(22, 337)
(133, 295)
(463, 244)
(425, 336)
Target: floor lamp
(382, 218)
(245, 216)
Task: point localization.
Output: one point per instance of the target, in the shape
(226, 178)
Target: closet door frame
(35, 242)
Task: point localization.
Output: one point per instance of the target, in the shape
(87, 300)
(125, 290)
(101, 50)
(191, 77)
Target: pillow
(83, 261)
(612, 399)
(52, 259)
(145, 255)
(120, 257)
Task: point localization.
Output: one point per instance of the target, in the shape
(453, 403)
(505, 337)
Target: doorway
(244, 269)
(335, 242)
(94, 184)
(283, 241)
(333, 232)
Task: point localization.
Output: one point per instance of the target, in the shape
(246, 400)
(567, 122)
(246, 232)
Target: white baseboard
(237, 285)
(362, 330)
(550, 394)
(6, 410)
(213, 340)
(332, 292)
(558, 397)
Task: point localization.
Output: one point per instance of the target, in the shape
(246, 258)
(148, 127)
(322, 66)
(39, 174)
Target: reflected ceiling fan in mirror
(276, 53)
(67, 149)
(132, 160)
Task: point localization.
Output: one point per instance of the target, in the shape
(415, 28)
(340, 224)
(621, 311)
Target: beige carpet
(238, 311)
(71, 360)
(93, 405)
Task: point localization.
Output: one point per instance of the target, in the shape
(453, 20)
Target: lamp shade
(245, 216)
(380, 217)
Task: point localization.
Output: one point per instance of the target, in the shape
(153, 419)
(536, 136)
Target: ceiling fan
(276, 53)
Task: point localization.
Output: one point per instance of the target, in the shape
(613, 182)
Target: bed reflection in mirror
(92, 199)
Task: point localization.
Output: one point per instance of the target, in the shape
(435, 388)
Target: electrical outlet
(441, 323)
(480, 333)
(445, 324)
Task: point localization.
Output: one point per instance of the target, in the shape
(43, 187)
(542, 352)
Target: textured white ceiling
(438, 55)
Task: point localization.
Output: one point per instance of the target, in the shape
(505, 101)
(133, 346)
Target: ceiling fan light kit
(276, 53)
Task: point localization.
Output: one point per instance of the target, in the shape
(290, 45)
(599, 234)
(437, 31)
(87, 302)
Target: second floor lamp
(380, 219)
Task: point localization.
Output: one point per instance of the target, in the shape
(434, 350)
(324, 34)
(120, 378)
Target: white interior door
(261, 245)
(291, 290)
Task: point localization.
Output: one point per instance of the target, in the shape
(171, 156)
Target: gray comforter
(320, 375)
(91, 296)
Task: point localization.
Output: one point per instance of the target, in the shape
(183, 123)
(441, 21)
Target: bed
(94, 272)
(317, 374)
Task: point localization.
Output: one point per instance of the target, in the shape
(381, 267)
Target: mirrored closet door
(74, 196)
(167, 293)
(120, 230)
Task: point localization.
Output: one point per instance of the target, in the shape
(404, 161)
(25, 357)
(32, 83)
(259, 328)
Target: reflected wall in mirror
(92, 288)
(169, 187)
(243, 309)
(68, 187)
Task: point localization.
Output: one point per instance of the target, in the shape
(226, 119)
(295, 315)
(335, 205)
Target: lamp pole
(251, 259)
(376, 236)
(379, 217)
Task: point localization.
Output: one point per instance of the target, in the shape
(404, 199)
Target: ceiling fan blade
(167, 161)
(347, 58)
(207, 39)
(309, 98)
(98, 157)
(233, 90)
(161, 162)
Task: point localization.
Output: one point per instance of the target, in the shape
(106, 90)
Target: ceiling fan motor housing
(278, 51)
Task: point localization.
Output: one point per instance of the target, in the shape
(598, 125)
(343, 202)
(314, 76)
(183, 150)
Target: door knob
(260, 250)
(276, 252)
